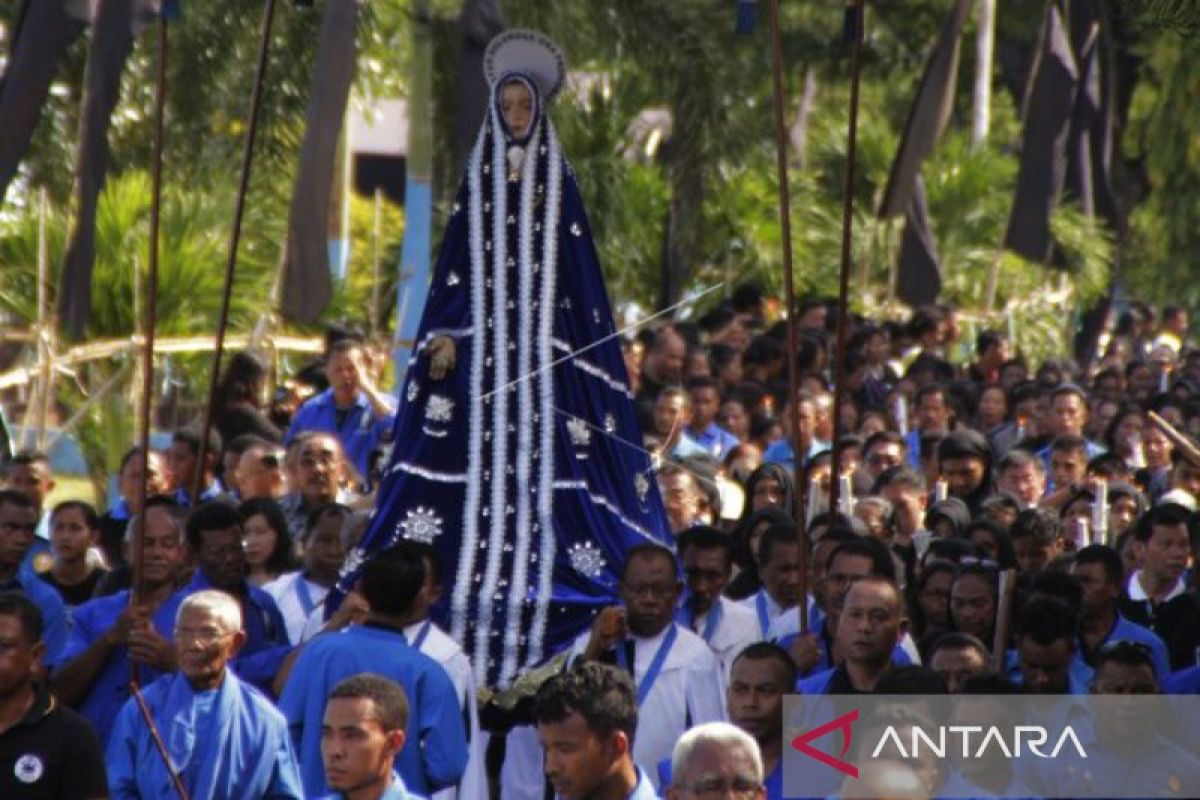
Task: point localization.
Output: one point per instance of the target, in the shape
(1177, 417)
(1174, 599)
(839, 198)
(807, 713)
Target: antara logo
(1031, 737)
(842, 723)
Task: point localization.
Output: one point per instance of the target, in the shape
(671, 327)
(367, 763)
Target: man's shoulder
(39, 591)
(690, 652)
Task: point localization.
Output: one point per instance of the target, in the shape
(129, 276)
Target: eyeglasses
(719, 787)
(986, 563)
(203, 636)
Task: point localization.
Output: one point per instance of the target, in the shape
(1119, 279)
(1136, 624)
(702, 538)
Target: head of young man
(1037, 539)
(933, 409)
(1069, 408)
(716, 759)
(849, 563)
(320, 467)
(343, 368)
(963, 460)
(707, 556)
(29, 474)
(323, 551)
(362, 732)
(260, 471)
(1161, 538)
(956, 657)
(904, 488)
(1046, 645)
(681, 496)
(665, 358)
(1068, 461)
(872, 622)
(208, 634)
(649, 589)
(779, 564)
(183, 459)
(21, 645)
(134, 465)
(761, 675)
(1125, 669)
(18, 521)
(214, 534)
(1101, 578)
(705, 394)
(392, 581)
(586, 718)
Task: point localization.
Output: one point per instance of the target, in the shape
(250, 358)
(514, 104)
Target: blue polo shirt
(359, 433)
(110, 688)
(715, 440)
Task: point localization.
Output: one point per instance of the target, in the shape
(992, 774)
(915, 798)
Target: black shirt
(77, 593)
(839, 682)
(52, 754)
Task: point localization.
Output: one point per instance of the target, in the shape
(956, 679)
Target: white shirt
(689, 691)
(735, 632)
(1138, 594)
(774, 611)
(298, 599)
(436, 644)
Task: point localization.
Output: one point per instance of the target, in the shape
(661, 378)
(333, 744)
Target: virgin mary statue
(516, 448)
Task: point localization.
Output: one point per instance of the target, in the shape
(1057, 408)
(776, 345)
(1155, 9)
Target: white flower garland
(460, 599)
(517, 591)
(499, 410)
(546, 308)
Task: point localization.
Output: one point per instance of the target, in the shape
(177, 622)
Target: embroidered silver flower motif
(586, 559)
(452, 279)
(354, 560)
(537, 227)
(487, 207)
(439, 408)
(512, 219)
(413, 390)
(566, 303)
(596, 315)
(641, 485)
(488, 245)
(456, 208)
(512, 262)
(421, 524)
(581, 436)
(576, 229)
(610, 423)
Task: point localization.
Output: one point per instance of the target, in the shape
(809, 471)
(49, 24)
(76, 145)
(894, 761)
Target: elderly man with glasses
(716, 760)
(224, 738)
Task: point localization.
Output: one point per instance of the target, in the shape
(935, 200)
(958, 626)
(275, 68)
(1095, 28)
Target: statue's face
(516, 105)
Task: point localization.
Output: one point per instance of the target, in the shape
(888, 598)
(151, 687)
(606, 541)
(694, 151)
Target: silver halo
(529, 53)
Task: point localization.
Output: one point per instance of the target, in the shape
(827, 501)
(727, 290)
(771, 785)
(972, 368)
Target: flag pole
(264, 50)
(785, 218)
(855, 19)
(137, 591)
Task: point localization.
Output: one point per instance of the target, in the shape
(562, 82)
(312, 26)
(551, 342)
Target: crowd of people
(1076, 482)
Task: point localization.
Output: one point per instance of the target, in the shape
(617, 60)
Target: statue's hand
(442, 356)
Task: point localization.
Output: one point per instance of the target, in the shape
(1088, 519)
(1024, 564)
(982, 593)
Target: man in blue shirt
(18, 521)
(1100, 572)
(362, 731)
(436, 755)
(586, 719)
(227, 741)
(214, 535)
(183, 466)
(351, 407)
(703, 429)
(92, 674)
(781, 451)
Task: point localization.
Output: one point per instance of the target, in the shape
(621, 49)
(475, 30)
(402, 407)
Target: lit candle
(846, 500)
(941, 490)
(900, 413)
(1100, 512)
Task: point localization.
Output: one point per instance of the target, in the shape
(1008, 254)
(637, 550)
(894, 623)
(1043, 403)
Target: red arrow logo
(842, 723)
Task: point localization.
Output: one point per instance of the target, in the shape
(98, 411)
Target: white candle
(941, 490)
(900, 412)
(1100, 512)
(847, 496)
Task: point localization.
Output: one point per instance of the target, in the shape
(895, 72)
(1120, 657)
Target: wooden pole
(785, 218)
(985, 43)
(139, 540)
(264, 50)
(855, 19)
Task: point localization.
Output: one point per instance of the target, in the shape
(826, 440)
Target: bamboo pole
(785, 217)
